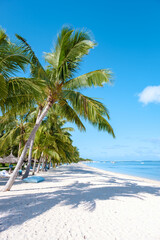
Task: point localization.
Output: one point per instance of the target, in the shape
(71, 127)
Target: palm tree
(62, 87)
(13, 91)
(15, 130)
(16, 93)
(12, 59)
(12, 134)
(53, 140)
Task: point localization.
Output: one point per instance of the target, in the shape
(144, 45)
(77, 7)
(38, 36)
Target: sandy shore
(78, 202)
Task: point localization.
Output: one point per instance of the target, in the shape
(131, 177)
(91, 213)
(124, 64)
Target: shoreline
(77, 202)
(127, 175)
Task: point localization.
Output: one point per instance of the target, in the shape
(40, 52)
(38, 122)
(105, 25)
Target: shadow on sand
(73, 195)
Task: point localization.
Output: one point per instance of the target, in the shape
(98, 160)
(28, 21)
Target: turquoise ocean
(144, 169)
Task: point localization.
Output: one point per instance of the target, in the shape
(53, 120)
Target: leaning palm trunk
(34, 166)
(39, 164)
(54, 165)
(20, 144)
(26, 174)
(38, 168)
(69, 51)
(29, 160)
(43, 164)
(31, 137)
(49, 163)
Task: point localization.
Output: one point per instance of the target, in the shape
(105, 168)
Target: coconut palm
(63, 89)
(15, 93)
(12, 134)
(52, 139)
(15, 129)
(12, 59)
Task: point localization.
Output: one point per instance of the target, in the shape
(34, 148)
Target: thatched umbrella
(9, 159)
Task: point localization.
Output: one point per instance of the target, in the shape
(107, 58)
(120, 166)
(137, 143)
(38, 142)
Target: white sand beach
(77, 202)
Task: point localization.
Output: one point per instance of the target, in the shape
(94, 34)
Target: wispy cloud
(150, 94)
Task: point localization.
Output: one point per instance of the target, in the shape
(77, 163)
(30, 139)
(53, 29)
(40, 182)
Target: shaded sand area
(77, 202)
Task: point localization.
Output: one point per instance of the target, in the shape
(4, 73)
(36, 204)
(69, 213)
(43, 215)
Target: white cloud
(150, 94)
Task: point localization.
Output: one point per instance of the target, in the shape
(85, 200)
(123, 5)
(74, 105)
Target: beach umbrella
(9, 159)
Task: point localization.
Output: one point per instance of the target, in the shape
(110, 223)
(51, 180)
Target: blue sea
(144, 169)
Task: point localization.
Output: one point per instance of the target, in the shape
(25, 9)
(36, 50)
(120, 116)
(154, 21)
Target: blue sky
(128, 37)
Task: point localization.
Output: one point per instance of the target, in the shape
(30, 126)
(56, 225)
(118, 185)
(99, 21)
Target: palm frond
(8, 138)
(23, 93)
(37, 70)
(69, 51)
(94, 78)
(90, 109)
(53, 154)
(3, 88)
(66, 111)
(3, 36)
(66, 129)
(12, 58)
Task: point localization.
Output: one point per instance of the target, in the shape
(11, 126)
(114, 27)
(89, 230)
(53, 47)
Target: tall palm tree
(12, 134)
(62, 87)
(16, 93)
(52, 139)
(12, 59)
(15, 130)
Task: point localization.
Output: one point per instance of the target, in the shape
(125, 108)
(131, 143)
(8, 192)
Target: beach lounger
(4, 173)
(33, 179)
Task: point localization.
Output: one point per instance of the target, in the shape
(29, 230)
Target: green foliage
(13, 133)
(95, 78)
(54, 140)
(90, 109)
(64, 61)
(56, 86)
(12, 57)
(36, 69)
(70, 48)
(3, 89)
(85, 160)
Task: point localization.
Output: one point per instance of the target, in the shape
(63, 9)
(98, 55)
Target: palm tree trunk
(49, 163)
(20, 144)
(34, 166)
(39, 164)
(29, 160)
(31, 137)
(43, 164)
(30, 150)
(54, 165)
